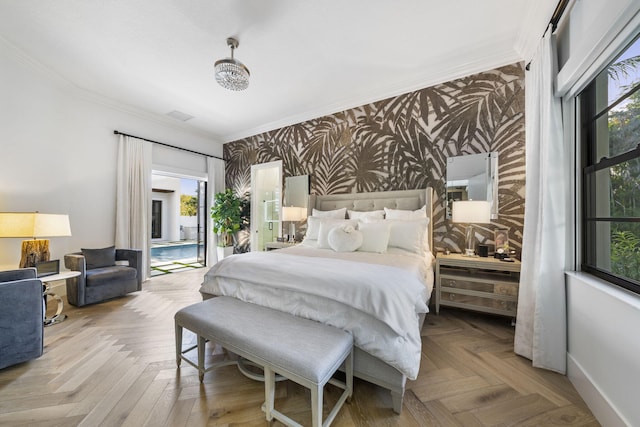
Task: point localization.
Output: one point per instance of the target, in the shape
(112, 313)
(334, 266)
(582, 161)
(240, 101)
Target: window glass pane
(622, 74)
(618, 248)
(617, 190)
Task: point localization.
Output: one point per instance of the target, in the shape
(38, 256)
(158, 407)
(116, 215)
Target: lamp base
(292, 232)
(33, 251)
(469, 252)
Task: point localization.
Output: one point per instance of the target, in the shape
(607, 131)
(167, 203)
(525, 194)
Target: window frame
(589, 166)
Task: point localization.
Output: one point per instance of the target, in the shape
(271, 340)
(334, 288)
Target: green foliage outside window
(624, 136)
(188, 205)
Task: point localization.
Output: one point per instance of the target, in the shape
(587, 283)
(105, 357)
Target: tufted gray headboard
(400, 199)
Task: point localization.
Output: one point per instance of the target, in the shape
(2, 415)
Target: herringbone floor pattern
(113, 364)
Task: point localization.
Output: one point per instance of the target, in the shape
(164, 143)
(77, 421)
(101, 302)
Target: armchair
(21, 316)
(101, 278)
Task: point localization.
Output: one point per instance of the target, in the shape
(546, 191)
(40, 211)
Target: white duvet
(376, 297)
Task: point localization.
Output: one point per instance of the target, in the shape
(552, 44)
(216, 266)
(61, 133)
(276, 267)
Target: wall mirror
(473, 177)
(296, 191)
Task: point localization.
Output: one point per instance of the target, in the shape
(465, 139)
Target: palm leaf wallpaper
(402, 143)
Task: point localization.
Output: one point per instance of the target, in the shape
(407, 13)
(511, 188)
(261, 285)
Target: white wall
(603, 320)
(58, 153)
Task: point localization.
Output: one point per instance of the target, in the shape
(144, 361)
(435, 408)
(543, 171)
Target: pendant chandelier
(230, 73)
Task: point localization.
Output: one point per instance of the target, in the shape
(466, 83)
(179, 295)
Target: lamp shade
(471, 211)
(33, 224)
(293, 213)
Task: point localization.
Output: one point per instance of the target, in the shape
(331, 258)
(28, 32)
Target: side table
(475, 283)
(46, 282)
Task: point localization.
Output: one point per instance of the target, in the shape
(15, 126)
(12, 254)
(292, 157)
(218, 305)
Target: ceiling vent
(179, 115)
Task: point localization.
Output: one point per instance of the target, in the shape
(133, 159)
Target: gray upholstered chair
(102, 274)
(21, 316)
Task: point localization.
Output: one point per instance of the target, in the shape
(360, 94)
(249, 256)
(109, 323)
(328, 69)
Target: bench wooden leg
(269, 392)
(202, 342)
(178, 344)
(316, 405)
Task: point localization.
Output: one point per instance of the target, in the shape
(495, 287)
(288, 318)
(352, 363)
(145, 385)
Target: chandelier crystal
(230, 73)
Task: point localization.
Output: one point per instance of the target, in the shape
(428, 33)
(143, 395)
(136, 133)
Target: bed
(380, 298)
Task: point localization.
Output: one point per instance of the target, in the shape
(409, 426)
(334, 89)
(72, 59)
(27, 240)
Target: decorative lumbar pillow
(344, 238)
(403, 214)
(96, 258)
(313, 228)
(362, 215)
(375, 236)
(336, 213)
(327, 224)
(410, 235)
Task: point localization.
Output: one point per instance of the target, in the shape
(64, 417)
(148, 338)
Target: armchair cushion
(107, 275)
(97, 258)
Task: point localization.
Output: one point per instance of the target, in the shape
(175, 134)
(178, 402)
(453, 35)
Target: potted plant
(227, 214)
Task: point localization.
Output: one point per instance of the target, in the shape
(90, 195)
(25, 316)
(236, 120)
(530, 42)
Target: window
(156, 219)
(610, 147)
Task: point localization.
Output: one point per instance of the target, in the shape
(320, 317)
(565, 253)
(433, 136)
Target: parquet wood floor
(113, 364)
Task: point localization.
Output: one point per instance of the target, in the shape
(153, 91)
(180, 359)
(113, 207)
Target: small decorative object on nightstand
(482, 284)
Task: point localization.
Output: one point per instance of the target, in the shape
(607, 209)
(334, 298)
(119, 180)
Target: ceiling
(306, 58)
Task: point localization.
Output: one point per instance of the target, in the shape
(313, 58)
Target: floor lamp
(468, 212)
(293, 214)
(34, 225)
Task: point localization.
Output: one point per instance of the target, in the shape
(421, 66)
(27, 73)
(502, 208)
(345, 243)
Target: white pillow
(375, 236)
(361, 215)
(410, 235)
(403, 214)
(336, 213)
(344, 238)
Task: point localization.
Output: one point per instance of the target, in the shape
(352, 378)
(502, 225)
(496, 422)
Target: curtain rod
(115, 132)
(555, 18)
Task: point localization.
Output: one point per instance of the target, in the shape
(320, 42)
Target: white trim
(577, 72)
(597, 402)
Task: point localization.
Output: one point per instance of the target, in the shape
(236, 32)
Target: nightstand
(277, 245)
(476, 283)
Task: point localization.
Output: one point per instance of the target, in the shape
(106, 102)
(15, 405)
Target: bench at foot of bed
(304, 351)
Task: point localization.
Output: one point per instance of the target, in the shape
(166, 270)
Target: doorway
(266, 202)
(178, 220)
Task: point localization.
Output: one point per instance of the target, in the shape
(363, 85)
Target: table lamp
(471, 211)
(293, 214)
(34, 225)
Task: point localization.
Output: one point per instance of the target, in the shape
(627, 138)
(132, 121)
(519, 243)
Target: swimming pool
(175, 252)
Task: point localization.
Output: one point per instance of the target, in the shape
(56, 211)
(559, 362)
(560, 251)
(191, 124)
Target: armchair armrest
(134, 258)
(18, 274)
(76, 285)
(21, 317)
(76, 262)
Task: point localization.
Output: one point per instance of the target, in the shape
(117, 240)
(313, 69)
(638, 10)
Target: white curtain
(541, 321)
(133, 197)
(215, 170)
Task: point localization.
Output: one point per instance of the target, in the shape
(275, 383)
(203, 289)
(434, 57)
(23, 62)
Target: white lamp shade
(293, 213)
(471, 211)
(33, 224)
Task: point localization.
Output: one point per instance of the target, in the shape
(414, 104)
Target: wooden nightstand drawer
(488, 303)
(460, 282)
